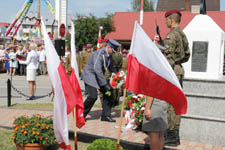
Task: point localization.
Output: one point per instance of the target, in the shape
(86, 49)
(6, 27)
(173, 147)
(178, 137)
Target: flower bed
(35, 129)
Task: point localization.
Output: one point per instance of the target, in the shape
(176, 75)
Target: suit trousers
(92, 97)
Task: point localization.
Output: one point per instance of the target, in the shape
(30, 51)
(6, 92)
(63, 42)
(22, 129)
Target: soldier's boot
(172, 139)
(165, 135)
(178, 136)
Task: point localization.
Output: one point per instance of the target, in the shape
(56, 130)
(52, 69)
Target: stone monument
(206, 43)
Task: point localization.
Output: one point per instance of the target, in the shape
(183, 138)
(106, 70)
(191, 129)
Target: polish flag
(63, 92)
(74, 79)
(99, 37)
(149, 72)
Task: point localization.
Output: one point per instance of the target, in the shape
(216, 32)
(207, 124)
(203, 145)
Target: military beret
(103, 41)
(114, 44)
(170, 12)
(89, 45)
(125, 51)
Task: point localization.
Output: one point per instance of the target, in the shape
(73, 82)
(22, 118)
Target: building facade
(183, 5)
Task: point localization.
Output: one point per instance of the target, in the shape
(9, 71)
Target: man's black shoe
(109, 119)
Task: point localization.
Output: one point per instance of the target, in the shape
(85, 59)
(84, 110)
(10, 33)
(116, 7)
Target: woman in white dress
(32, 66)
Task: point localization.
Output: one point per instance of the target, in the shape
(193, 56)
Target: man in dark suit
(93, 77)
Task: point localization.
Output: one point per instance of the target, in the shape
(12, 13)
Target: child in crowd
(7, 61)
(13, 61)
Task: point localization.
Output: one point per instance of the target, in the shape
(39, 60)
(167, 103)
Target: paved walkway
(95, 127)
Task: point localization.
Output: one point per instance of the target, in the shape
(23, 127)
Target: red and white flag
(99, 37)
(74, 79)
(63, 92)
(149, 72)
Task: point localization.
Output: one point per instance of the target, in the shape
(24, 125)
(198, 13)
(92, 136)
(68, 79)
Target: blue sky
(9, 8)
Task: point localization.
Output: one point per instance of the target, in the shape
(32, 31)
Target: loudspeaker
(60, 47)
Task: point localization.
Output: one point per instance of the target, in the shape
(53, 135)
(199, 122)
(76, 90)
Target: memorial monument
(206, 42)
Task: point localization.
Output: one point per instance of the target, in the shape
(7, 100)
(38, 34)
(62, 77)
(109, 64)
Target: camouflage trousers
(173, 119)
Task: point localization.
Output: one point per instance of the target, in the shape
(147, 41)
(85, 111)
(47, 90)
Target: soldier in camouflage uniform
(176, 52)
(68, 67)
(125, 60)
(117, 60)
(78, 59)
(85, 56)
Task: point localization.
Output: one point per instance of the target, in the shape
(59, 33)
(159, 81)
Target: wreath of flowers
(135, 105)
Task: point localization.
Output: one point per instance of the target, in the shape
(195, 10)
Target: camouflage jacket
(176, 49)
(125, 64)
(84, 59)
(117, 59)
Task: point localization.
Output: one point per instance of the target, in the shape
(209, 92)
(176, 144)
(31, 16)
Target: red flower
(118, 73)
(130, 104)
(137, 123)
(113, 83)
(138, 112)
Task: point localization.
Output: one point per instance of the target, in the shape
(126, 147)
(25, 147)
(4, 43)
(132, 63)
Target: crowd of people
(12, 54)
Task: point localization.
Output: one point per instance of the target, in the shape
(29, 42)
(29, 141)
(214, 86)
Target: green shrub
(103, 144)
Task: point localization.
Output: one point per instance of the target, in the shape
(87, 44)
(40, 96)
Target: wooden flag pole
(121, 119)
(75, 129)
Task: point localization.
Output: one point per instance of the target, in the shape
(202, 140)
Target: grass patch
(48, 106)
(7, 144)
(36, 106)
(5, 141)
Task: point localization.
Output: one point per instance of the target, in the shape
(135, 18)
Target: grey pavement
(19, 82)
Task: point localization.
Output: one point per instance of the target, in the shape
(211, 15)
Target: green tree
(136, 5)
(87, 28)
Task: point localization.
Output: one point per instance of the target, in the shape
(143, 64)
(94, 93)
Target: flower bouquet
(135, 105)
(35, 129)
(118, 79)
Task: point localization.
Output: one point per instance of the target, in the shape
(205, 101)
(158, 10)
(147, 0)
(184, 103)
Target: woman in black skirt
(155, 122)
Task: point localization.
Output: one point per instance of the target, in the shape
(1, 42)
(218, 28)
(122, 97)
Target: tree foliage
(136, 5)
(87, 28)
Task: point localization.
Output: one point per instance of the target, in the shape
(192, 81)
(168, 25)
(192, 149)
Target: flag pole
(75, 129)
(121, 119)
(141, 12)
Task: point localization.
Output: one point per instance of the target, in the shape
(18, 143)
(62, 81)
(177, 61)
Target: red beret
(89, 45)
(125, 51)
(103, 41)
(170, 12)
